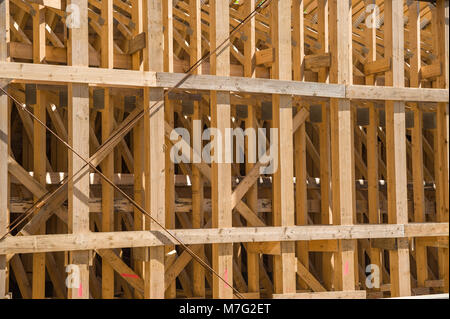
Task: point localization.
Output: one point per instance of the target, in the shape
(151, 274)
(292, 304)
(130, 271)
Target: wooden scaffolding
(357, 92)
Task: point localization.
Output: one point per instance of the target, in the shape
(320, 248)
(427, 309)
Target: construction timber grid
(92, 205)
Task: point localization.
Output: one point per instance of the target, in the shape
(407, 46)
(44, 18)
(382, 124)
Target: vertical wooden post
(283, 178)
(39, 143)
(396, 147)
(107, 61)
(301, 198)
(372, 147)
(343, 168)
(155, 149)
(222, 254)
(137, 9)
(78, 120)
(416, 139)
(4, 145)
(198, 272)
(440, 23)
(169, 117)
(324, 142)
(250, 150)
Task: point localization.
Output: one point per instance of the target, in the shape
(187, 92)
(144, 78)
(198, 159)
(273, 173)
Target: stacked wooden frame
(358, 93)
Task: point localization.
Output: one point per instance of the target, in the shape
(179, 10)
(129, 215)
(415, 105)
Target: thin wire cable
(48, 195)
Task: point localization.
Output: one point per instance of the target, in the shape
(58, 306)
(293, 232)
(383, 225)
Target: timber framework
(353, 94)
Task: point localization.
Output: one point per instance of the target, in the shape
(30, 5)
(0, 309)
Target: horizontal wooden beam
(252, 85)
(433, 242)
(323, 245)
(267, 248)
(105, 240)
(383, 93)
(264, 56)
(317, 61)
(377, 66)
(384, 243)
(430, 71)
(42, 73)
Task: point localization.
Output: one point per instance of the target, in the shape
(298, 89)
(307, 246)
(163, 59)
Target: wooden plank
(56, 276)
(177, 267)
(343, 168)
(268, 248)
(122, 269)
(138, 145)
(374, 211)
(169, 118)
(396, 147)
(154, 149)
(384, 243)
(377, 66)
(27, 72)
(323, 245)
(414, 229)
(39, 163)
(137, 43)
(324, 139)
(101, 240)
(253, 259)
(222, 255)
(364, 92)
(416, 138)
(283, 188)
(198, 271)
(318, 61)
(4, 147)
(265, 56)
(430, 71)
(39, 142)
(77, 74)
(434, 283)
(249, 85)
(38, 34)
(21, 277)
(433, 242)
(107, 114)
(78, 121)
(154, 196)
(301, 208)
(441, 161)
